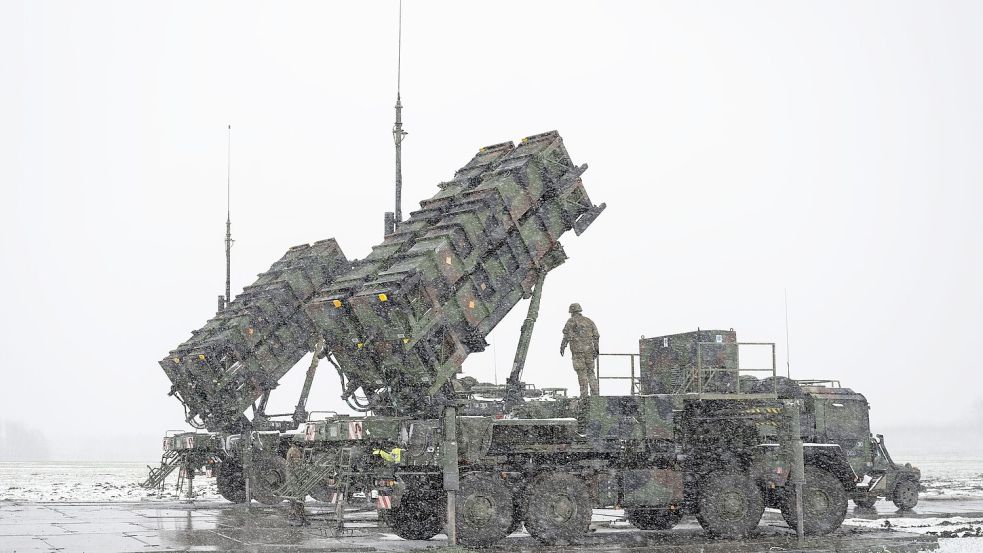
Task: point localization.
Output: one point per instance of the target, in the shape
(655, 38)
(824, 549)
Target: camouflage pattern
(668, 363)
(580, 333)
(245, 349)
(611, 418)
(651, 487)
(657, 417)
(377, 430)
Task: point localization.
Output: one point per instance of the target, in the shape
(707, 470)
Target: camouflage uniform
(582, 336)
(294, 459)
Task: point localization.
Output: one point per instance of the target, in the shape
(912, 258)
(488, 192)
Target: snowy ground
(951, 506)
(88, 482)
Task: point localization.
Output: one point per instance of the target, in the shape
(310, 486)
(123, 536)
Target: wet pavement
(220, 526)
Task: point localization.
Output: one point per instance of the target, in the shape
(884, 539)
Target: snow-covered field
(951, 478)
(52, 481)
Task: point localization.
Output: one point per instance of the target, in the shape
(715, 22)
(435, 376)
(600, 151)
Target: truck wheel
(824, 503)
(484, 509)
(269, 475)
(653, 518)
(231, 484)
(905, 494)
(415, 518)
(730, 505)
(558, 508)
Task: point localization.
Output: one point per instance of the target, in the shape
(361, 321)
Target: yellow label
(336, 303)
(406, 340)
(201, 357)
(177, 359)
(359, 345)
(383, 297)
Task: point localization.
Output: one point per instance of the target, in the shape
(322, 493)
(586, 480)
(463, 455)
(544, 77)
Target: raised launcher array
(245, 349)
(403, 320)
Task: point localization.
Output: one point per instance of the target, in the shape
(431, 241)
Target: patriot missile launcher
(242, 352)
(401, 323)
(397, 324)
(696, 436)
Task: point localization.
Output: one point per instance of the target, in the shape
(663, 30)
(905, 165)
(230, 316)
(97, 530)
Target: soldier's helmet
(575, 308)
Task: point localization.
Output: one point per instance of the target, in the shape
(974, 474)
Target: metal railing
(703, 376)
(830, 383)
(633, 378)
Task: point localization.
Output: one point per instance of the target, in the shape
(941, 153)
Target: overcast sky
(829, 148)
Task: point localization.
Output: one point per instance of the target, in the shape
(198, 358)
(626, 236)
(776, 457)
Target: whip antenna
(398, 132)
(228, 218)
(788, 365)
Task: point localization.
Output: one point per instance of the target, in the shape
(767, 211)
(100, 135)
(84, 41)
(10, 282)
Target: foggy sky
(830, 149)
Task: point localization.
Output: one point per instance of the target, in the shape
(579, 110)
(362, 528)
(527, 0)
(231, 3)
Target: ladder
(168, 462)
(308, 476)
(342, 484)
(187, 473)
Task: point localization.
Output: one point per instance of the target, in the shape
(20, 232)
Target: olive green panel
(651, 487)
(657, 417)
(614, 418)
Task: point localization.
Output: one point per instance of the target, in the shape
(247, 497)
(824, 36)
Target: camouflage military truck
(705, 448)
(700, 437)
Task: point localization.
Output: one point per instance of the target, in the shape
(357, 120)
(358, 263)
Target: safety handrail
(633, 378)
(703, 375)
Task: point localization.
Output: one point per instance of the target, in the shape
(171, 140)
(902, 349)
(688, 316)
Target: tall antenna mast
(788, 364)
(398, 132)
(228, 219)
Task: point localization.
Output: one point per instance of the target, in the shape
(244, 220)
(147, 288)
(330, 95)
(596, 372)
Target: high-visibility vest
(394, 456)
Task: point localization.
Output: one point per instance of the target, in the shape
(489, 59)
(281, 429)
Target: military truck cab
(841, 416)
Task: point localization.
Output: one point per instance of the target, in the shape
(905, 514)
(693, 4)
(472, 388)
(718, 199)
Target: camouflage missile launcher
(403, 320)
(245, 349)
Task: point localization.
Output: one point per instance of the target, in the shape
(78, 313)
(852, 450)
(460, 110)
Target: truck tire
(729, 504)
(269, 475)
(648, 518)
(905, 495)
(484, 509)
(415, 518)
(230, 481)
(558, 508)
(824, 503)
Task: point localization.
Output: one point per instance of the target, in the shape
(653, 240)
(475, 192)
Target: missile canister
(402, 321)
(245, 349)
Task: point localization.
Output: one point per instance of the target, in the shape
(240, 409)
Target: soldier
(581, 333)
(294, 459)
